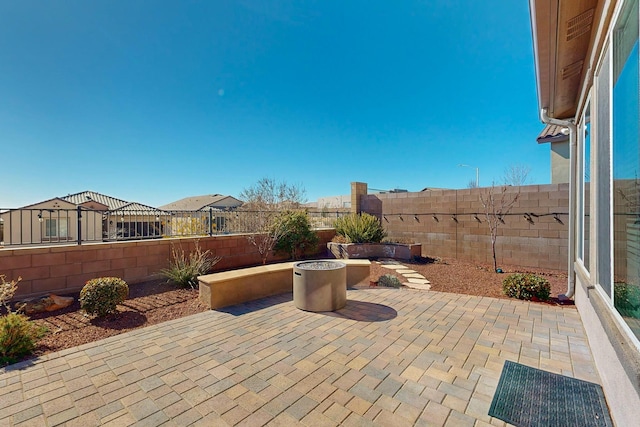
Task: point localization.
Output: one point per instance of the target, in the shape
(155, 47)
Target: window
(585, 172)
(55, 227)
(626, 166)
(600, 176)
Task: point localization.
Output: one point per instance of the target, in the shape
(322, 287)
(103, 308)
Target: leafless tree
(516, 175)
(472, 183)
(497, 202)
(263, 202)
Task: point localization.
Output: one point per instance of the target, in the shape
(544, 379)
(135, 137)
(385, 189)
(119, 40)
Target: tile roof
(552, 133)
(196, 203)
(138, 209)
(86, 196)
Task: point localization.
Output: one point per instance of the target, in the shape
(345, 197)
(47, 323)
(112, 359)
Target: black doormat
(529, 397)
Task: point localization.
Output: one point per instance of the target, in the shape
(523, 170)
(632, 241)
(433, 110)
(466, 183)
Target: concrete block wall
(543, 244)
(65, 269)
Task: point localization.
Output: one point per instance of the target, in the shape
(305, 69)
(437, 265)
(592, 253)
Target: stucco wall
(559, 162)
(615, 359)
(65, 269)
(541, 244)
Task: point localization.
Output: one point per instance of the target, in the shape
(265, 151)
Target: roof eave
(562, 33)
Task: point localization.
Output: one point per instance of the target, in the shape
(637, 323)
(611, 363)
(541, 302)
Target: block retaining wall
(543, 244)
(65, 269)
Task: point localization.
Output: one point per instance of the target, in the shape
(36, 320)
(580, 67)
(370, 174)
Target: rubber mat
(530, 397)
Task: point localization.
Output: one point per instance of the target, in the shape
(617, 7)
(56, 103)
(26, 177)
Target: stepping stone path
(414, 279)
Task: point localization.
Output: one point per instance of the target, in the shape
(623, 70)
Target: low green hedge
(101, 296)
(526, 287)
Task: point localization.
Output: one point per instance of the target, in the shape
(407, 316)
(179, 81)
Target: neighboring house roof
(553, 133)
(99, 202)
(138, 209)
(85, 196)
(196, 203)
(54, 203)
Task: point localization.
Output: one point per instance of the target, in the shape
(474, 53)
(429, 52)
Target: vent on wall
(572, 70)
(580, 25)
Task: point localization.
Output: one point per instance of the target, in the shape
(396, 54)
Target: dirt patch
(156, 301)
(148, 303)
(455, 276)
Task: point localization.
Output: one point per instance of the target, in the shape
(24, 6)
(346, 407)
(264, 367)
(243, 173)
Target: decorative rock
(40, 304)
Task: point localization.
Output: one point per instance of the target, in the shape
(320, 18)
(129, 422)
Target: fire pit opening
(320, 285)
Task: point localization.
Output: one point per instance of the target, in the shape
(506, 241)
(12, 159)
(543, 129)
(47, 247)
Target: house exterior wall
(65, 269)
(334, 202)
(616, 365)
(542, 244)
(28, 225)
(559, 162)
(606, 263)
(228, 202)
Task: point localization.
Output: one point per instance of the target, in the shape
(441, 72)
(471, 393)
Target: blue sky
(152, 101)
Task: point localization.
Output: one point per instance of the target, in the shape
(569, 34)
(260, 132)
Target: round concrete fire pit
(320, 285)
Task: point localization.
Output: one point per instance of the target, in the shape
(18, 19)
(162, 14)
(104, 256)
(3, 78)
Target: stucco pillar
(358, 189)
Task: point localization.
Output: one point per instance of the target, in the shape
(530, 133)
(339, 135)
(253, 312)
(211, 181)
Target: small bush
(101, 296)
(526, 287)
(390, 281)
(295, 233)
(362, 228)
(18, 337)
(185, 270)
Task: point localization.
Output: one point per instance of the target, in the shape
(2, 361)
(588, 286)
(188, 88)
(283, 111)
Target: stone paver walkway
(391, 357)
(413, 279)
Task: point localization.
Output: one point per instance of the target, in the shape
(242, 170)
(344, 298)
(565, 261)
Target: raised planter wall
(374, 250)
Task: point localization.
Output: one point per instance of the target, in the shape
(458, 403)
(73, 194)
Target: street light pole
(477, 172)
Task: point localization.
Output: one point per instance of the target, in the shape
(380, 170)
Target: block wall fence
(541, 244)
(65, 269)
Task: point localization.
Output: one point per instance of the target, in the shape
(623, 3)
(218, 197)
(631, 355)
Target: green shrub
(390, 281)
(18, 337)
(362, 228)
(294, 233)
(101, 296)
(185, 270)
(526, 286)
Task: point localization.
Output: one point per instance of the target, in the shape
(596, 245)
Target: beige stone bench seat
(232, 287)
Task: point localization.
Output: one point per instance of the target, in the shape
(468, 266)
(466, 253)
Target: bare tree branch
(516, 175)
(496, 206)
(264, 201)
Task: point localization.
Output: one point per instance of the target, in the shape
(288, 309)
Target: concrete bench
(232, 287)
